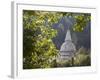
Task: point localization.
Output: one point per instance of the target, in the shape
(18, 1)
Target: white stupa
(68, 48)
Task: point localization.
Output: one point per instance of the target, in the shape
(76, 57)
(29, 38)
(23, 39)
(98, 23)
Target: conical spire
(68, 35)
(67, 49)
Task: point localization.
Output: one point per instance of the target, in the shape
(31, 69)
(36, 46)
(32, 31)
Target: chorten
(68, 48)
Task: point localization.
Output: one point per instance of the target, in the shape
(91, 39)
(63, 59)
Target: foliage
(38, 48)
(82, 58)
(66, 63)
(81, 22)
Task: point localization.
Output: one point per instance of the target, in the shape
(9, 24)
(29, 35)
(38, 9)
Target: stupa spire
(68, 35)
(68, 48)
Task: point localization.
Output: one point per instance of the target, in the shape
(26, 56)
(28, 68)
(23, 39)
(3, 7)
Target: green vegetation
(39, 51)
(38, 48)
(81, 22)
